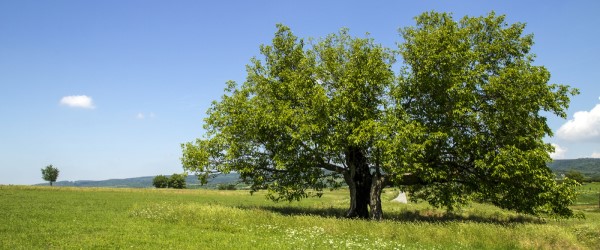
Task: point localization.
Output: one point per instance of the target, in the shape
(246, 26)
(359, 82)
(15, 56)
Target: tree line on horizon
(176, 181)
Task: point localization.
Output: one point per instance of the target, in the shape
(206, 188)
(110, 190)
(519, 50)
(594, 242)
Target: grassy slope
(63, 217)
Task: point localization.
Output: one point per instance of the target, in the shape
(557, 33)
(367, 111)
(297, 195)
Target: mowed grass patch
(589, 197)
(84, 218)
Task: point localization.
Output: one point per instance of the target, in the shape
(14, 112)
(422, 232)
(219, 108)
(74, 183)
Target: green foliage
(461, 121)
(177, 181)
(594, 178)
(50, 174)
(297, 113)
(575, 175)
(473, 86)
(160, 181)
(226, 187)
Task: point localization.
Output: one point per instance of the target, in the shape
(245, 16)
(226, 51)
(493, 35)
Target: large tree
(460, 122)
(50, 174)
(473, 86)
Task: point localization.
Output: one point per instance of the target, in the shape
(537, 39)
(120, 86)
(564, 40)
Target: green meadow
(107, 218)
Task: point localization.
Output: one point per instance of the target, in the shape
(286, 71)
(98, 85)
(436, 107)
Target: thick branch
(409, 179)
(322, 163)
(332, 167)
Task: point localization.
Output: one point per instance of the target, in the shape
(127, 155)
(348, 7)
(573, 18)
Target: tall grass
(87, 218)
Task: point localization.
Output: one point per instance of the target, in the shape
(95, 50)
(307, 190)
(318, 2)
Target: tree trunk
(377, 185)
(51, 184)
(359, 183)
(351, 213)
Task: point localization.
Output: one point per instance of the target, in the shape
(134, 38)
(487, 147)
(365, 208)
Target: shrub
(575, 175)
(226, 187)
(160, 181)
(177, 181)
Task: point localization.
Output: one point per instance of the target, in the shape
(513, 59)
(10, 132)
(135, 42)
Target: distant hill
(583, 165)
(589, 167)
(146, 182)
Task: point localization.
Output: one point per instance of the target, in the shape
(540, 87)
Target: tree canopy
(50, 174)
(160, 181)
(177, 181)
(473, 86)
(575, 175)
(461, 121)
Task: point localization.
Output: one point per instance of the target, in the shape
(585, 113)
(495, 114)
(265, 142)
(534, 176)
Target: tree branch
(332, 167)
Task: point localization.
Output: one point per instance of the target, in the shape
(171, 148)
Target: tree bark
(351, 213)
(377, 184)
(359, 183)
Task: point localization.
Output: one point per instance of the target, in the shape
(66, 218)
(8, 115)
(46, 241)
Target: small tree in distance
(575, 175)
(160, 181)
(225, 186)
(177, 181)
(50, 173)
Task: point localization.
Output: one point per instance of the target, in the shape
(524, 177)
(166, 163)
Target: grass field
(101, 218)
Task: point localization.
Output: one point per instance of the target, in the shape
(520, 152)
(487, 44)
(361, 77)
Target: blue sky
(109, 89)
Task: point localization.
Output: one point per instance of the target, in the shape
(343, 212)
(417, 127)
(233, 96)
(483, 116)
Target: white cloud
(595, 155)
(142, 116)
(78, 101)
(559, 152)
(585, 126)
